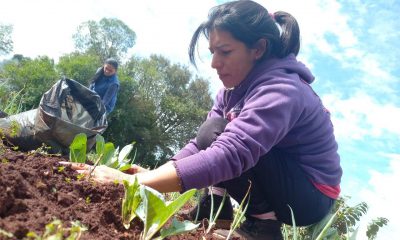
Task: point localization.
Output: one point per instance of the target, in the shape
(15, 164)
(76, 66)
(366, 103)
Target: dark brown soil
(33, 192)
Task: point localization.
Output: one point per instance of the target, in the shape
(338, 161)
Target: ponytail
(290, 35)
(249, 22)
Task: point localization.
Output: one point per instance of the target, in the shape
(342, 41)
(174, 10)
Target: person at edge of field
(105, 83)
(267, 130)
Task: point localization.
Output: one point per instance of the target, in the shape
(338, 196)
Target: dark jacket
(106, 87)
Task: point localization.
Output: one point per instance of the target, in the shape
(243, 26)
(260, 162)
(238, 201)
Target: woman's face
(109, 70)
(232, 59)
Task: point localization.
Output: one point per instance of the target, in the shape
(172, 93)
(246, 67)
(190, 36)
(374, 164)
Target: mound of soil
(35, 190)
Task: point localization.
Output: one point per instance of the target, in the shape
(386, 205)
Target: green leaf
(99, 144)
(77, 148)
(327, 226)
(177, 228)
(123, 155)
(124, 167)
(130, 202)
(108, 154)
(157, 212)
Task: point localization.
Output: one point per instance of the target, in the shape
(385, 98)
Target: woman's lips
(221, 76)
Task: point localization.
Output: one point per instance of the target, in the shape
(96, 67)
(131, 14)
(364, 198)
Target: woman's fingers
(135, 169)
(76, 166)
(100, 173)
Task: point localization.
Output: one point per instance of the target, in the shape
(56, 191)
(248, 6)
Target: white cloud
(381, 195)
(362, 116)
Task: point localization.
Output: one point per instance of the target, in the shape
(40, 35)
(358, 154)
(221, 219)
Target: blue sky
(351, 47)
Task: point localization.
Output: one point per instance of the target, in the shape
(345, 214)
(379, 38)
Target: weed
(80, 176)
(55, 231)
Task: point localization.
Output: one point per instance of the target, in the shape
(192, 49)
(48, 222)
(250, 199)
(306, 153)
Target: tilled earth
(35, 189)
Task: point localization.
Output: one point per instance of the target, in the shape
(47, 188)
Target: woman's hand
(135, 169)
(163, 179)
(102, 173)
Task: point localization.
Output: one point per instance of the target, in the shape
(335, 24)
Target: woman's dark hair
(112, 62)
(249, 22)
(100, 71)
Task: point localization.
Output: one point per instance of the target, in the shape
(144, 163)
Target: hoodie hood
(288, 63)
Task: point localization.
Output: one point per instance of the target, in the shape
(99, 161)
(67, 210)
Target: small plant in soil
(105, 154)
(56, 231)
(150, 206)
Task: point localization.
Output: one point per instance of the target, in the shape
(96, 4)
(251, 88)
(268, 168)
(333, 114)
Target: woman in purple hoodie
(267, 127)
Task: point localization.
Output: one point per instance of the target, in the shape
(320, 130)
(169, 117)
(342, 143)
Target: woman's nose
(216, 62)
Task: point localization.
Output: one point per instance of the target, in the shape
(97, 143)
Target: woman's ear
(260, 48)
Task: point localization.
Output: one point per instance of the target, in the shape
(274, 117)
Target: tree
(6, 43)
(78, 66)
(30, 78)
(109, 37)
(160, 106)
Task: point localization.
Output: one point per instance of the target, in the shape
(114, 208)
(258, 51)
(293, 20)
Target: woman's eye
(226, 52)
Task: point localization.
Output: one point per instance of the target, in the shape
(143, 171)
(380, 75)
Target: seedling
(177, 228)
(55, 231)
(77, 149)
(149, 205)
(80, 176)
(239, 216)
(105, 154)
(60, 169)
(213, 218)
(130, 202)
(155, 212)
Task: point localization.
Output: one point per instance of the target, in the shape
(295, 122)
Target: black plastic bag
(66, 109)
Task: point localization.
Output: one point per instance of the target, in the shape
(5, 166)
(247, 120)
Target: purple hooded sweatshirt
(274, 106)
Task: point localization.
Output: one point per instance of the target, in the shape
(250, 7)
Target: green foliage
(77, 149)
(348, 216)
(214, 217)
(240, 213)
(32, 78)
(341, 224)
(166, 106)
(78, 66)
(55, 231)
(10, 101)
(374, 227)
(130, 202)
(177, 228)
(110, 37)
(6, 42)
(156, 212)
(105, 154)
(149, 205)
